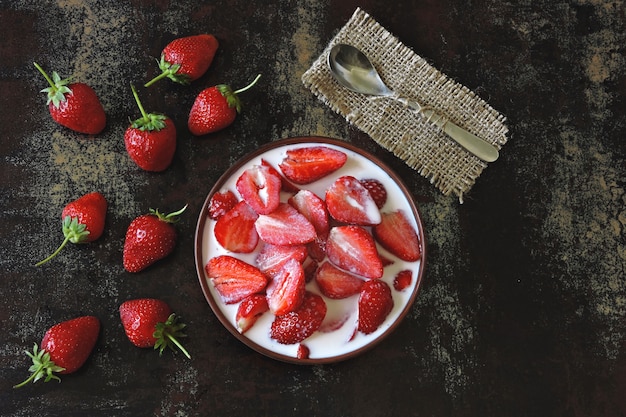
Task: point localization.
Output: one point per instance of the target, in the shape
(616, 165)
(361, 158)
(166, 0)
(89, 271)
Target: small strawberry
(353, 249)
(220, 203)
(64, 349)
(335, 283)
(402, 280)
(303, 352)
(149, 238)
(73, 105)
(150, 140)
(186, 59)
(349, 201)
(375, 304)
(398, 236)
(260, 187)
(234, 279)
(235, 231)
(285, 226)
(308, 164)
(249, 311)
(150, 322)
(377, 191)
(215, 108)
(83, 221)
(297, 325)
(285, 291)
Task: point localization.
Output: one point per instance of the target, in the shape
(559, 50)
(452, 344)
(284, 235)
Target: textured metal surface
(523, 307)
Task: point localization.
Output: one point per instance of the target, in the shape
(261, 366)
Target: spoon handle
(472, 143)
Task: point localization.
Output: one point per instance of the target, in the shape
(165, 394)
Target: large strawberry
(150, 140)
(307, 164)
(74, 105)
(64, 349)
(83, 221)
(149, 238)
(186, 59)
(150, 322)
(215, 108)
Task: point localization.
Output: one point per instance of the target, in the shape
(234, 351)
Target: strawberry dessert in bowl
(310, 250)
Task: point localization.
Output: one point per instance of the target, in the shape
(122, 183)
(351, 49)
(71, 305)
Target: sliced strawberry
(375, 304)
(260, 187)
(335, 283)
(286, 289)
(377, 191)
(349, 201)
(285, 226)
(398, 236)
(249, 311)
(271, 258)
(303, 352)
(221, 202)
(235, 230)
(234, 279)
(310, 266)
(317, 248)
(402, 280)
(353, 249)
(313, 208)
(287, 186)
(296, 326)
(308, 164)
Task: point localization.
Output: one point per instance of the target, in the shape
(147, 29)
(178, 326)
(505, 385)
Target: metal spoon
(355, 72)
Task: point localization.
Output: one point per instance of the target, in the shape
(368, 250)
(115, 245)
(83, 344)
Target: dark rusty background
(523, 307)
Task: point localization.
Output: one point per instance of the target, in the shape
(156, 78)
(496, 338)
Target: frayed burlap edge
(422, 145)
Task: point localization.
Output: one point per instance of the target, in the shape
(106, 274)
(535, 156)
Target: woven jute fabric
(405, 133)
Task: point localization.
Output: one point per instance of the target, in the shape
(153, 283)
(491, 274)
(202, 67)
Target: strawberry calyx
(58, 87)
(231, 96)
(167, 334)
(42, 367)
(169, 70)
(168, 218)
(147, 121)
(73, 231)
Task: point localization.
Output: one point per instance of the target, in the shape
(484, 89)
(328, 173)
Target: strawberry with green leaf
(150, 140)
(73, 105)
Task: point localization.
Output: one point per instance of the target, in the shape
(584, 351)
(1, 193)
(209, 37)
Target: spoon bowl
(354, 71)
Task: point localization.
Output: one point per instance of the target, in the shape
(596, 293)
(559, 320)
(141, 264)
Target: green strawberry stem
(148, 121)
(168, 218)
(73, 231)
(249, 86)
(58, 87)
(42, 366)
(232, 97)
(170, 71)
(167, 333)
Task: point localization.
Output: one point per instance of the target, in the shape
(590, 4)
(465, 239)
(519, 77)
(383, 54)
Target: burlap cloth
(408, 135)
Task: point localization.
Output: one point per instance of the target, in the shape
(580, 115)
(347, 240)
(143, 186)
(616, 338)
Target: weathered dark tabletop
(523, 308)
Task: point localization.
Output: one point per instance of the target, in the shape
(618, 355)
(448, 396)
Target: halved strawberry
(377, 191)
(402, 280)
(335, 283)
(285, 291)
(221, 202)
(260, 187)
(285, 226)
(352, 248)
(234, 279)
(296, 326)
(271, 258)
(303, 352)
(375, 304)
(308, 164)
(313, 208)
(398, 236)
(235, 230)
(349, 201)
(249, 311)
(287, 185)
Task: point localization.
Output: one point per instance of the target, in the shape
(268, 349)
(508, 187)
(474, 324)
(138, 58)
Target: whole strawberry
(74, 105)
(149, 238)
(186, 59)
(215, 108)
(150, 322)
(83, 221)
(64, 349)
(150, 140)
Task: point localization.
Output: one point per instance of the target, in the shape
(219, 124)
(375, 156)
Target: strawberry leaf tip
(58, 87)
(168, 333)
(42, 367)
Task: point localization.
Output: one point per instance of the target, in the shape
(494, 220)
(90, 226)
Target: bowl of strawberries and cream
(310, 250)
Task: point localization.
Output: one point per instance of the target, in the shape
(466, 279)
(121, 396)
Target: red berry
(285, 226)
(297, 325)
(352, 248)
(377, 191)
(235, 230)
(398, 236)
(220, 203)
(375, 304)
(402, 280)
(349, 201)
(286, 288)
(249, 311)
(234, 279)
(272, 258)
(308, 164)
(260, 187)
(335, 283)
